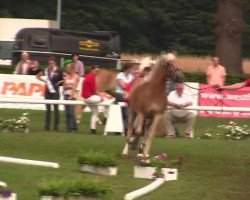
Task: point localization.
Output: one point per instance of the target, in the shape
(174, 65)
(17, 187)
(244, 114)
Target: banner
(23, 87)
(209, 96)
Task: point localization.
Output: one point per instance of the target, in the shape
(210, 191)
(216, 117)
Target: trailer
(97, 47)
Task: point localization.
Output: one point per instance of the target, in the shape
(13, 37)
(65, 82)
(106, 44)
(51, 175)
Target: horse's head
(169, 63)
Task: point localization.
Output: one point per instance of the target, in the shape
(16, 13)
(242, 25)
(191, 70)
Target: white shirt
(173, 97)
(125, 78)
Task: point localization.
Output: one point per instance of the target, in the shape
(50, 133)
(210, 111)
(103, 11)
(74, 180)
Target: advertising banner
(23, 87)
(209, 96)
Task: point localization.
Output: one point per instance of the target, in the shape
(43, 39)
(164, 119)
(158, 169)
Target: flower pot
(69, 198)
(144, 172)
(99, 170)
(12, 197)
(170, 174)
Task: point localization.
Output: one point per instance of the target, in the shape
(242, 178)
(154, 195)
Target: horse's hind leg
(131, 120)
(78, 112)
(156, 122)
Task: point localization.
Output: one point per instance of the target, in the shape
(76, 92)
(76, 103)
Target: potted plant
(97, 162)
(157, 167)
(6, 194)
(80, 189)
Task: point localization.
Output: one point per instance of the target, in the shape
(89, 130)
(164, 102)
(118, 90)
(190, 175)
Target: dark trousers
(70, 116)
(53, 96)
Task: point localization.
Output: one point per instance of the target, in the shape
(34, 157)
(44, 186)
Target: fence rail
(107, 103)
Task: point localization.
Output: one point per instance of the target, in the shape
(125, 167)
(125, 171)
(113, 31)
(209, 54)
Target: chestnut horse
(149, 101)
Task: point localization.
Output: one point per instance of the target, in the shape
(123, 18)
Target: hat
(68, 61)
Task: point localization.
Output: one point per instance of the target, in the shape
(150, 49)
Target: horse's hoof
(134, 145)
(124, 155)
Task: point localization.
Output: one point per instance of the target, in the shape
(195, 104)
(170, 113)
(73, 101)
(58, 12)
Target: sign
(24, 87)
(209, 96)
(89, 45)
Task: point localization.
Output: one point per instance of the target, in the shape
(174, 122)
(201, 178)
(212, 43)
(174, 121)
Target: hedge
(198, 77)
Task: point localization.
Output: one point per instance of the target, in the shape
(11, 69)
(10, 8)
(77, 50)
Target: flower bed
(157, 167)
(229, 131)
(13, 196)
(15, 125)
(98, 163)
(7, 194)
(99, 170)
(72, 190)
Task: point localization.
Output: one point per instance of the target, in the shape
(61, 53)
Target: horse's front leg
(131, 120)
(146, 130)
(140, 120)
(156, 122)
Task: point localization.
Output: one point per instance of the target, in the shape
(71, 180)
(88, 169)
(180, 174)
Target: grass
(212, 170)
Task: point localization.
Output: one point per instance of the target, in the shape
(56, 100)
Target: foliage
(200, 77)
(15, 125)
(97, 158)
(159, 161)
(78, 187)
(145, 26)
(230, 131)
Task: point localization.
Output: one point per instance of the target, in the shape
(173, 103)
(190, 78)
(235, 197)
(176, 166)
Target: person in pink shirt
(216, 73)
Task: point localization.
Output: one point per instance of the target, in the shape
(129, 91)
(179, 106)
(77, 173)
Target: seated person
(178, 99)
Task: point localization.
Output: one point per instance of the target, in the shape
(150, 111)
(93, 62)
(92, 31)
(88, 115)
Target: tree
(229, 27)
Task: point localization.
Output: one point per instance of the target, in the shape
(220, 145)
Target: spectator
(23, 65)
(135, 63)
(92, 96)
(53, 77)
(79, 66)
(177, 77)
(70, 83)
(136, 77)
(123, 78)
(34, 68)
(216, 73)
(179, 100)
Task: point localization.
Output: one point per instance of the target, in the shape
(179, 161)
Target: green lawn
(213, 169)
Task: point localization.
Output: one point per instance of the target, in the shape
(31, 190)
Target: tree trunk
(229, 27)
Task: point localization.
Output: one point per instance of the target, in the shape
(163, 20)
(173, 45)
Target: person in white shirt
(122, 79)
(178, 100)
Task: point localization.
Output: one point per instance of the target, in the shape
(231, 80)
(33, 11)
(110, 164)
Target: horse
(148, 100)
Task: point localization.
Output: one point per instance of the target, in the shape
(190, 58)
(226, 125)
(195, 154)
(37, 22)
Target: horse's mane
(163, 61)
